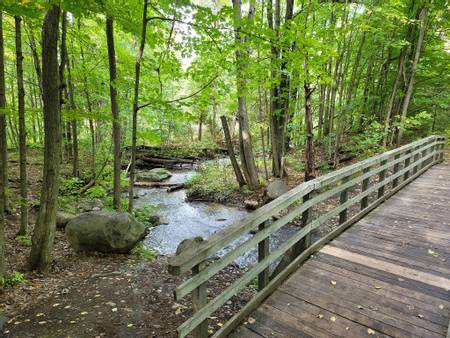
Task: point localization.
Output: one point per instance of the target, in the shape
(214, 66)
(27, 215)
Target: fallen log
(169, 186)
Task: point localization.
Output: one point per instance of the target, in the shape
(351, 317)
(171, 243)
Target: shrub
(213, 181)
(144, 215)
(71, 185)
(96, 192)
(12, 279)
(144, 253)
(24, 240)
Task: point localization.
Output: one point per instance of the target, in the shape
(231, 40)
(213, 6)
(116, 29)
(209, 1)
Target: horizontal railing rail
(393, 169)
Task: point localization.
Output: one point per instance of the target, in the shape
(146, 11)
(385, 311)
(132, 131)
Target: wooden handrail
(414, 158)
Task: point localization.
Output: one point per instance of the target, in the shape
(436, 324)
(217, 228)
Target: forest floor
(94, 295)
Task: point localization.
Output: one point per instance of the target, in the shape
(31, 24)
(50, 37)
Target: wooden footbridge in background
(382, 270)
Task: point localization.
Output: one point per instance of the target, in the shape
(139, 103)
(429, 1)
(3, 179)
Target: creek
(182, 219)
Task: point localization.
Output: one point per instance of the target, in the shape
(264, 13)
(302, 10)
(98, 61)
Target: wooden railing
(374, 180)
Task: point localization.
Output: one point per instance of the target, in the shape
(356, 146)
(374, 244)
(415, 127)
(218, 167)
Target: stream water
(182, 219)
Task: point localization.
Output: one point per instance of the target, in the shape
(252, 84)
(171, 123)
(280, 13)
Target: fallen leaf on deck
(370, 331)
(333, 319)
(251, 320)
(320, 315)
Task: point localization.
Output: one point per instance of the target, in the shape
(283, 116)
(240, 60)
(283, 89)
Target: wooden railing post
(395, 170)
(364, 186)
(343, 199)
(263, 252)
(199, 294)
(381, 177)
(407, 163)
(423, 154)
(441, 155)
(305, 242)
(199, 300)
(416, 158)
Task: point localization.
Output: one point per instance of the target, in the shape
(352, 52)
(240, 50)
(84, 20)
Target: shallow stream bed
(182, 219)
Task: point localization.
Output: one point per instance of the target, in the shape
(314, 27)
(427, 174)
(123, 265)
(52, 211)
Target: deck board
(386, 276)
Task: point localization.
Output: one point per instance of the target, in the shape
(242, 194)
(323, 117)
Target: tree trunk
(3, 152)
(409, 90)
(245, 142)
(22, 130)
(89, 106)
(137, 68)
(237, 171)
(73, 125)
(44, 231)
(115, 111)
(392, 99)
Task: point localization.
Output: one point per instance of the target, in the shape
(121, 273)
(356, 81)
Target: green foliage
(12, 279)
(368, 143)
(144, 215)
(24, 240)
(214, 181)
(109, 205)
(144, 253)
(70, 186)
(96, 192)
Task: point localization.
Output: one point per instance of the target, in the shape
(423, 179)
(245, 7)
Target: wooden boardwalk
(388, 275)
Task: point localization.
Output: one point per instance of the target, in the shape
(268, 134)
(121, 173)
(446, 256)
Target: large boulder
(62, 218)
(104, 231)
(275, 189)
(154, 175)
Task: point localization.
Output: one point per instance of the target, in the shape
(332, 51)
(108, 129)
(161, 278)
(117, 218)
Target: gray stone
(62, 218)
(104, 231)
(275, 189)
(154, 175)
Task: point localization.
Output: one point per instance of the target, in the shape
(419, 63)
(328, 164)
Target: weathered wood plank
(392, 256)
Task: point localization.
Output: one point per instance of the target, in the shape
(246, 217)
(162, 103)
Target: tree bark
(115, 111)
(137, 68)
(44, 232)
(3, 151)
(237, 171)
(73, 125)
(245, 142)
(22, 130)
(89, 106)
(409, 90)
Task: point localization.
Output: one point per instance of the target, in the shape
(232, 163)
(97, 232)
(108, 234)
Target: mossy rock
(154, 175)
(104, 231)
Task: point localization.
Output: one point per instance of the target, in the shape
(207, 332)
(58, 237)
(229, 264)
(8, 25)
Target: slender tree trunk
(73, 125)
(137, 68)
(309, 167)
(89, 106)
(245, 142)
(409, 90)
(200, 127)
(44, 231)
(36, 60)
(22, 130)
(237, 171)
(3, 152)
(115, 111)
(261, 130)
(392, 99)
